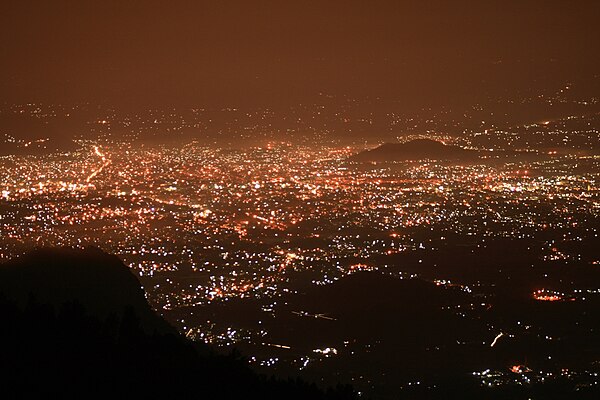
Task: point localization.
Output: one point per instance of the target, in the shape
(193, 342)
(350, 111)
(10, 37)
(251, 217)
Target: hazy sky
(255, 52)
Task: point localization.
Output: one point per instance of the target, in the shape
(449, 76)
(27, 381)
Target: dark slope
(408, 311)
(420, 149)
(394, 331)
(100, 282)
(73, 327)
(389, 325)
(385, 328)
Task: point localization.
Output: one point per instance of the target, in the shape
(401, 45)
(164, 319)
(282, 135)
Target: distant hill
(27, 135)
(37, 147)
(420, 149)
(75, 324)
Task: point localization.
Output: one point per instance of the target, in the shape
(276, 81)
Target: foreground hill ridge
(76, 324)
(99, 281)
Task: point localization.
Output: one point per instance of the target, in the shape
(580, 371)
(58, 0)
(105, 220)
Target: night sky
(259, 53)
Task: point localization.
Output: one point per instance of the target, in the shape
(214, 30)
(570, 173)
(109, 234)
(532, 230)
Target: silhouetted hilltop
(75, 324)
(100, 282)
(419, 149)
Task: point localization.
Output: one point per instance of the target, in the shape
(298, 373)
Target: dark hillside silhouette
(96, 280)
(75, 324)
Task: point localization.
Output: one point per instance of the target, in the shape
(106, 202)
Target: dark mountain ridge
(100, 282)
(75, 324)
